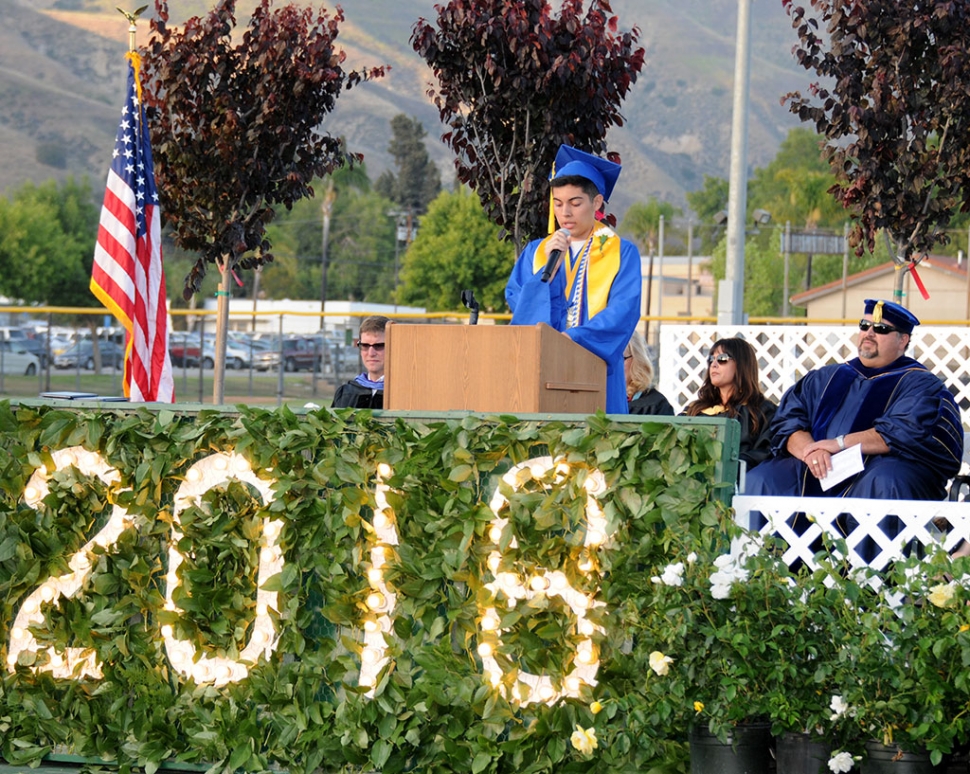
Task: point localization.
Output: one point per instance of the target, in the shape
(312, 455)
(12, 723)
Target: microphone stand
(468, 299)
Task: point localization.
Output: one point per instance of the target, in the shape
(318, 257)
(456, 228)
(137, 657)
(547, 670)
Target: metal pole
(845, 268)
(397, 254)
(690, 264)
(256, 275)
(730, 301)
(660, 270)
(785, 311)
(326, 206)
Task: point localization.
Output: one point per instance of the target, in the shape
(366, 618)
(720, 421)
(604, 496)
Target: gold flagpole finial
(132, 18)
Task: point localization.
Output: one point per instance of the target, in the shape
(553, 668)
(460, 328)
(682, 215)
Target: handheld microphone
(555, 257)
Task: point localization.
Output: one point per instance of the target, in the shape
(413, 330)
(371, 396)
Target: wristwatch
(840, 440)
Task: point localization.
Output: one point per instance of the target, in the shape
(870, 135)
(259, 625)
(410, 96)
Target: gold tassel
(877, 312)
(135, 59)
(552, 212)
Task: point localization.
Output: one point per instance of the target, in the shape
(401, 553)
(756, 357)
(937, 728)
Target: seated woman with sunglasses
(902, 416)
(367, 389)
(732, 388)
(643, 397)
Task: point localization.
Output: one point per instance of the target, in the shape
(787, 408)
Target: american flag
(127, 276)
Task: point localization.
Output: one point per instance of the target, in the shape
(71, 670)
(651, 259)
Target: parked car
(265, 356)
(183, 349)
(25, 339)
(14, 359)
(301, 354)
(236, 356)
(81, 353)
(36, 347)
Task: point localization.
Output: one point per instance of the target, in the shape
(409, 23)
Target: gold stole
(604, 265)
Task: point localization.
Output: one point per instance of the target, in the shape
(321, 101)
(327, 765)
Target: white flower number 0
(210, 472)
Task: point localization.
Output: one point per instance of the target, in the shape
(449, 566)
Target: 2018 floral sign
(321, 591)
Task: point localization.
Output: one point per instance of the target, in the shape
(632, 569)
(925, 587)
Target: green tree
(47, 238)
(515, 83)
(763, 276)
(360, 248)
(706, 203)
(417, 181)
(795, 185)
(642, 223)
(458, 248)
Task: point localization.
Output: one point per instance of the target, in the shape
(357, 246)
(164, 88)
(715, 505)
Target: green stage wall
(250, 589)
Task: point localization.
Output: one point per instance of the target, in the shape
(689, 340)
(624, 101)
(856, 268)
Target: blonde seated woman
(643, 398)
(732, 388)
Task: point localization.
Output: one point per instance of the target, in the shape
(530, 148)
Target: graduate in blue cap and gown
(903, 416)
(594, 295)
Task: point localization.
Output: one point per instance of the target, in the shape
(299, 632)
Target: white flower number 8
(528, 687)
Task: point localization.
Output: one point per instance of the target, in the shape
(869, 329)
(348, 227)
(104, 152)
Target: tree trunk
(902, 266)
(222, 325)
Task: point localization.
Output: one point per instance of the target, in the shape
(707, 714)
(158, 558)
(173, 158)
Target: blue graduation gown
(606, 332)
(906, 404)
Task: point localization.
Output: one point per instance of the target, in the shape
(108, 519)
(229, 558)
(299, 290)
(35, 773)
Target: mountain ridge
(62, 74)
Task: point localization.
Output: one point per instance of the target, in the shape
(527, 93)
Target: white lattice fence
(885, 530)
(787, 352)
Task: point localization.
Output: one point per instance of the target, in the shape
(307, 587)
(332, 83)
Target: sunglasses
(722, 358)
(362, 345)
(881, 328)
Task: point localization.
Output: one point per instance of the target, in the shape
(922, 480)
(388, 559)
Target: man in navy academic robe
(903, 416)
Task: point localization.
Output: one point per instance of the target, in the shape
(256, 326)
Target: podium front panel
(490, 368)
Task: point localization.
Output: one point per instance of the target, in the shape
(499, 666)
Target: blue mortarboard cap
(900, 318)
(601, 172)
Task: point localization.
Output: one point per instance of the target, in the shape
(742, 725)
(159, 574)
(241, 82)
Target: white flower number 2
(212, 471)
(75, 662)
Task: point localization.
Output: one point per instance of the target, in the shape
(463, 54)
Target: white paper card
(846, 463)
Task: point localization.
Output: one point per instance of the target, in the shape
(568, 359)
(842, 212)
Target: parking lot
(268, 369)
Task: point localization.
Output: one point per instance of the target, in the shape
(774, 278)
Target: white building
(288, 316)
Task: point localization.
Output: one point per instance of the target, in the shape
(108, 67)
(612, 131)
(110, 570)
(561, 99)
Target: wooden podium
(490, 368)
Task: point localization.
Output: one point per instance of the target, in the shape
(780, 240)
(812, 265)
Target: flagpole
(132, 17)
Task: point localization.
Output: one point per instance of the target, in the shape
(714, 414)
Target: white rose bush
(712, 623)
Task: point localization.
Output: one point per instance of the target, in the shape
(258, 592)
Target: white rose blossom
(660, 663)
(841, 762)
(673, 575)
(729, 571)
(838, 707)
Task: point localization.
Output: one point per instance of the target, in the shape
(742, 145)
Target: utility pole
(730, 297)
(327, 207)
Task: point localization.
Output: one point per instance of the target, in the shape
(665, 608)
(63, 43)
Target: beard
(868, 350)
